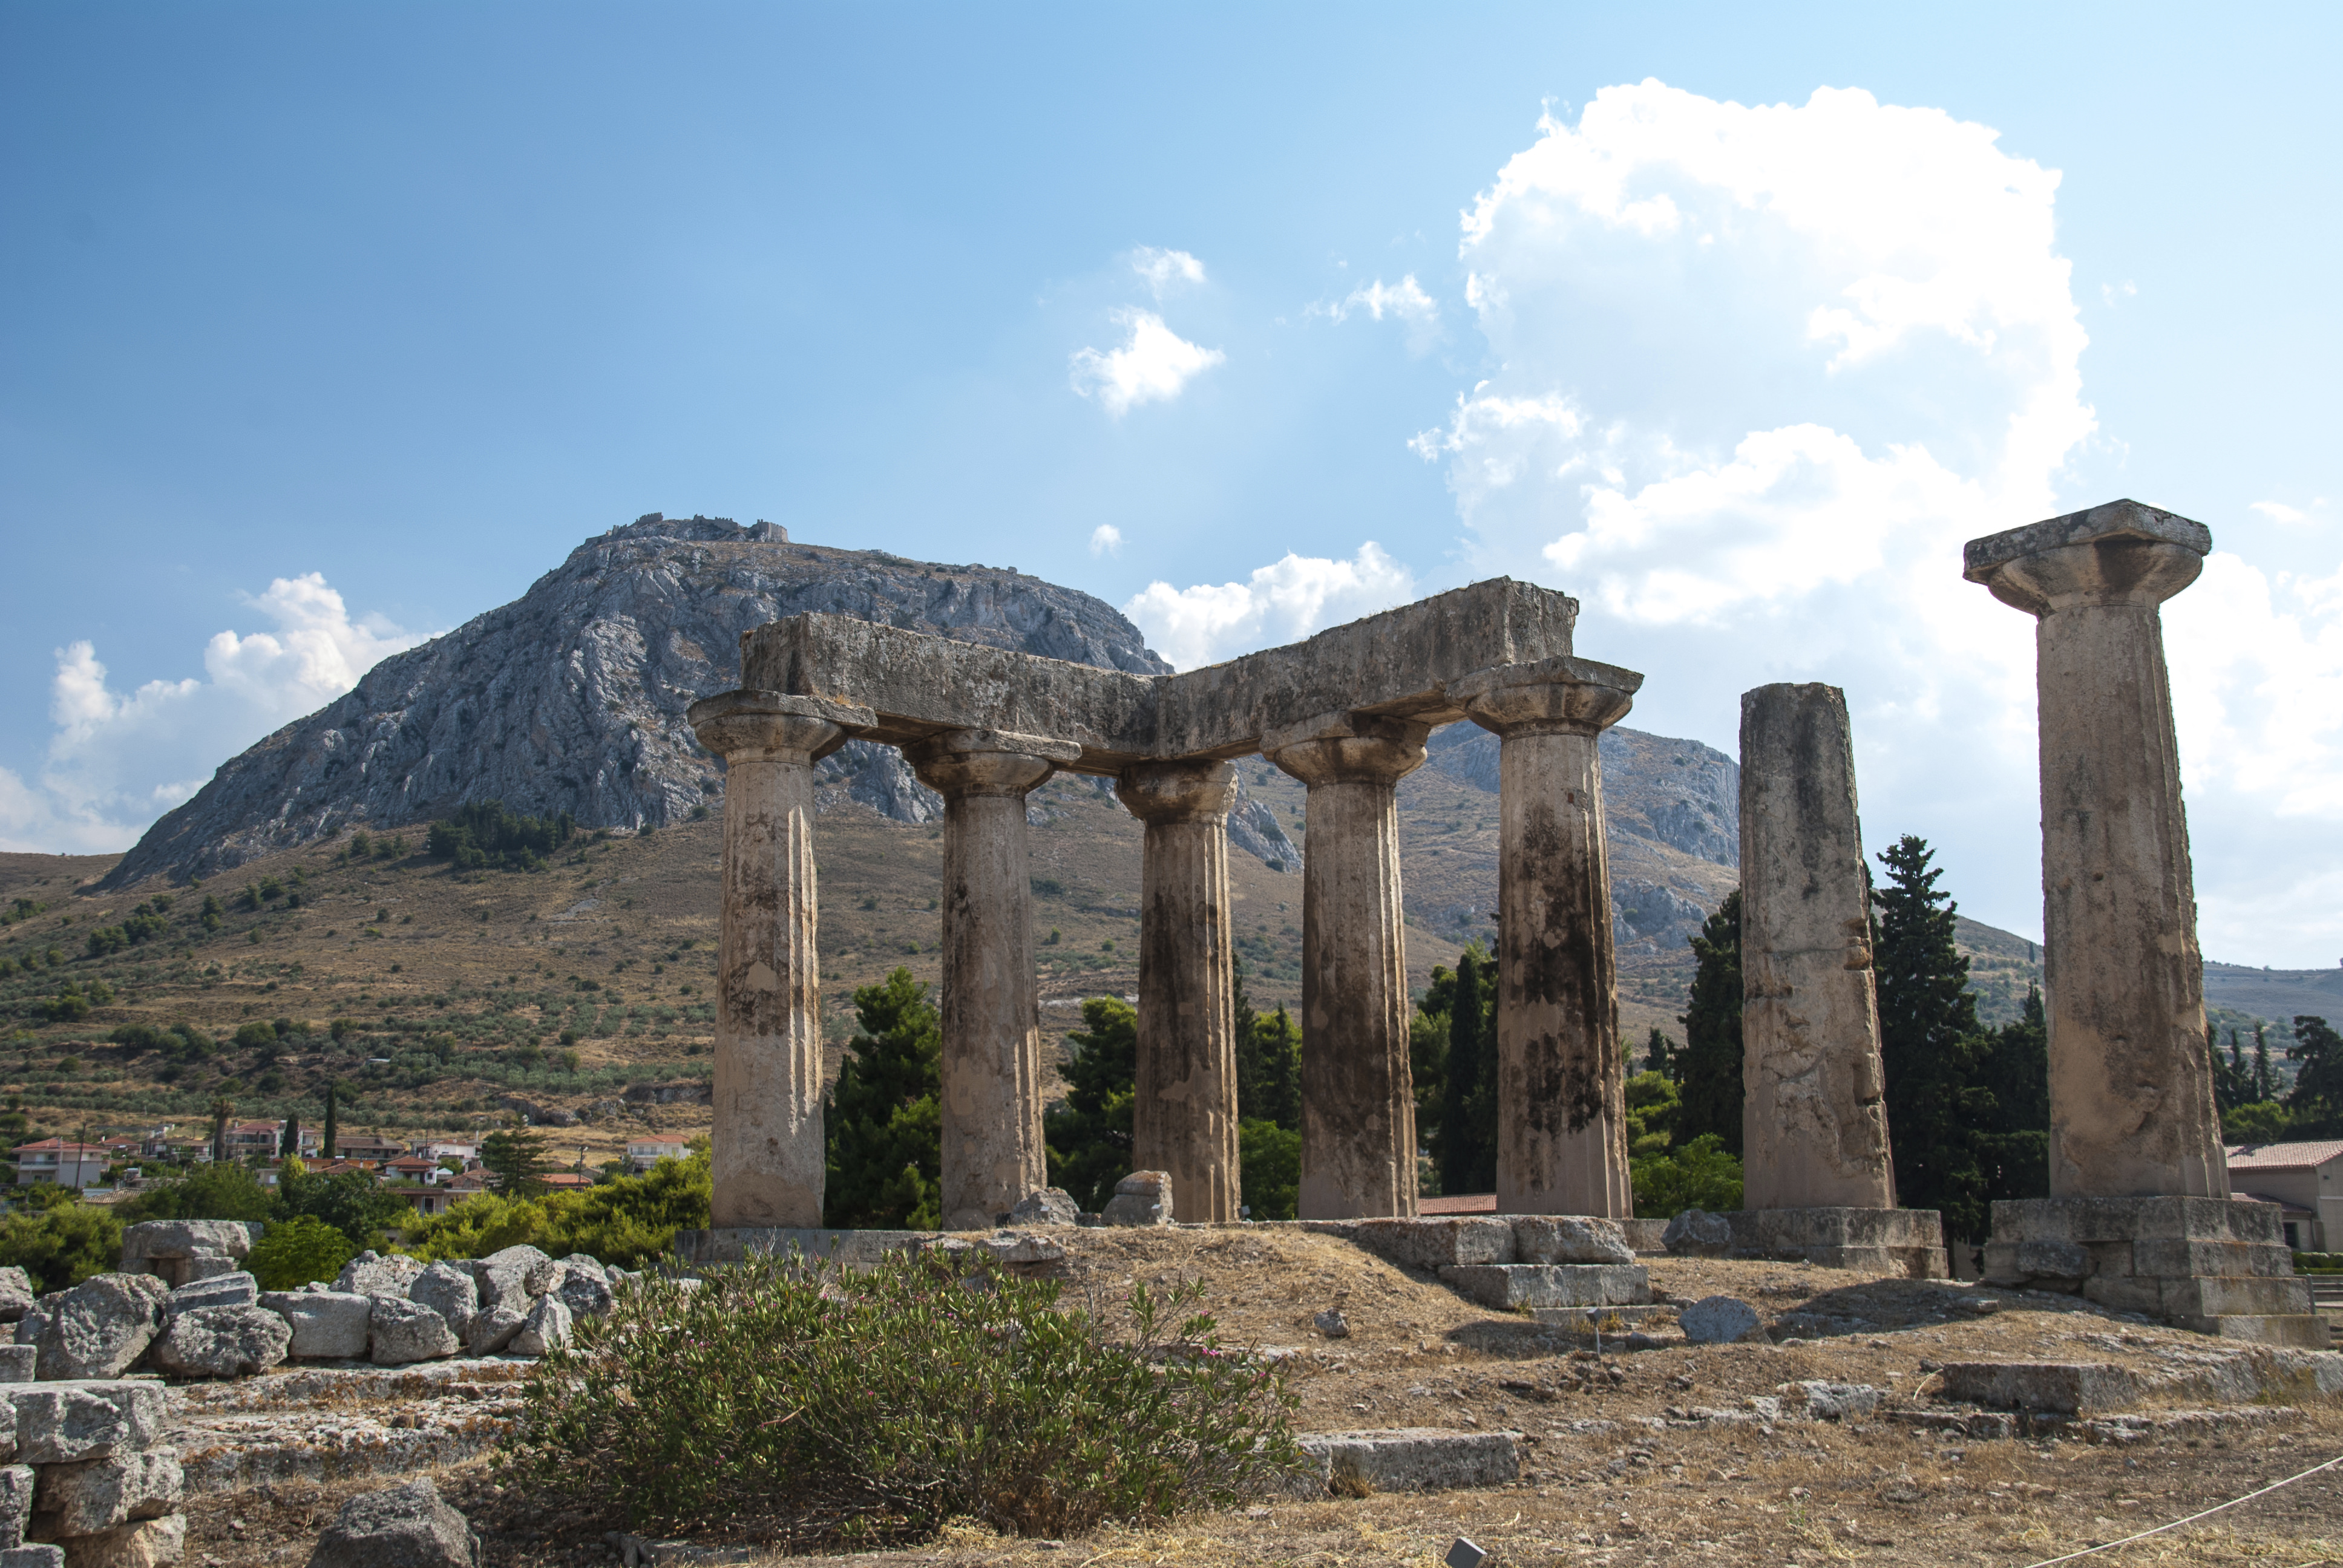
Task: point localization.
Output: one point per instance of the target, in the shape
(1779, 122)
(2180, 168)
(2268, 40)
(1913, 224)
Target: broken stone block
(145, 1544)
(1332, 1324)
(1142, 1198)
(2059, 1388)
(326, 1325)
(448, 1291)
(547, 1328)
(1513, 1287)
(61, 1423)
(234, 1289)
(1569, 1239)
(369, 1274)
(1720, 1320)
(1826, 1400)
(1436, 1243)
(402, 1331)
(406, 1527)
(1409, 1459)
(16, 1294)
(222, 1342)
(585, 1287)
(493, 1330)
(1049, 1206)
(33, 1557)
(174, 1239)
(497, 1285)
(1696, 1234)
(97, 1495)
(19, 1364)
(538, 1271)
(98, 1328)
(16, 1485)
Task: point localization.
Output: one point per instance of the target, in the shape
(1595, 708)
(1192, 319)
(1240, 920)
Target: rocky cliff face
(571, 699)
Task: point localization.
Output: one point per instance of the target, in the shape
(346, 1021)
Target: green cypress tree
(1280, 1097)
(1468, 1147)
(333, 1126)
(2232, 1085)
(1708, 1068)
(2013, 1137)
(288, 1143)
(882, 1126)
(1929, 1042)
(2265, 1080)
(1089, 1134)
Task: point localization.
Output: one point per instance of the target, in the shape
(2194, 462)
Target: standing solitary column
(2131, 1092)
(991, 1069)
(1814, 1119)
(1561, 1134)
(767, 1158)
(1358, 1100)
(1184, 1109)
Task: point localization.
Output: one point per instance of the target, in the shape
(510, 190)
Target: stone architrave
(1184, 1108)
(992, 1152)
(1813, 1117)
(1358, 1100)
(2131, 1091)
(1562, 1140)
(767, 1133)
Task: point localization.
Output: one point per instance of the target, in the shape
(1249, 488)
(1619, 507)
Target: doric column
(1813, 1117)
(1358, 1101)
(992, 1150)
(2131, 1093)
(1184, 1110)
(768, 1137)
(1561, 1115)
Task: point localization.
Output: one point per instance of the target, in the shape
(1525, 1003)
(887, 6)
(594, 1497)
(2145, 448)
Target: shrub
(485, 834)
(1269, 1168)
(212, 1191)
(870, 1408)
(296, 1250)
(255, 1035)
(1700, 1175)
(63, 1245)
(627, 1220)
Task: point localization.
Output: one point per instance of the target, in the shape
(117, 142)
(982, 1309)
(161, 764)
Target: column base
(1906, 1241)
(2214, 1265)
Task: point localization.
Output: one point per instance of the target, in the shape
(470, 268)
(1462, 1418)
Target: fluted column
(1358, 1101)
(991, 1069)
(2131, 1093)
(1561, 1115)
(766, 1157)
(1183, 1115)
(1814, 1120)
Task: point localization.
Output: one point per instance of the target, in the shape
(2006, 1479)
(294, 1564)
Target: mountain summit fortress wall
(1347, 712)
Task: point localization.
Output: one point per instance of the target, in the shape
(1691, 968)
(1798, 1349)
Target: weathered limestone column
(1562, 1121)
(1813, 1121)
(992, 1150)
(2131, 1093)
(768, 1136)
(1358, 1100)
(1184, 1110)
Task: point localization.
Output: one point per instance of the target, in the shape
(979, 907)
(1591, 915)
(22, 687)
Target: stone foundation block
(1511, 1287)
(1610, 1319)
(147, 1543)
(1439, 1242)
(2220, 1298)
(1569, 1239)
(326, 1325)
(2228, 1259)
(1907, 1242)
(1648, 1237)
(19, 1364)
(63, 1422)
(2124, 1292)
(33, 1557)
(99, 1494)
(2132, 1220)
(17, 1483)
(2293, 1331)
(2059, 1388)
(188, 1239)
(1408, 1459)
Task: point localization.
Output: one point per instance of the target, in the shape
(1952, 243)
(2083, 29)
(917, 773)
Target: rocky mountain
(571, 698)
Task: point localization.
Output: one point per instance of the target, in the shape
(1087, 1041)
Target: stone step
(1513, 1287)
(1405, 1459)
(2301, 1331)
(2058, 1387)
(2185, 1297)
(1614, 1320)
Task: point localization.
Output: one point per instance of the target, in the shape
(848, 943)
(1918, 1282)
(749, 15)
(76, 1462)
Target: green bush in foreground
(1699, 1175)
(807, 1407)
(292, 1252)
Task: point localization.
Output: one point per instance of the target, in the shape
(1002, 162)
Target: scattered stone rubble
(89, 1481)
(404, 1527)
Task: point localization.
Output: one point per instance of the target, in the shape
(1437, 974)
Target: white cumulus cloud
(1154, 365)
(117, 760)
(1287, 599)
(1165, 269)
(1106, 540)
(1404, 302)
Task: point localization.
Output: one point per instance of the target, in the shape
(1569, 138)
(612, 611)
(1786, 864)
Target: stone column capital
(960, 763)
(1348, 749)
(2122, 553)
(1551, 697)
(751, 726)
(1193, 790)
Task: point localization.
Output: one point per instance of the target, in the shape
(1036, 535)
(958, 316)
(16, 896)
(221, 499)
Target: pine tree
(1708, 1069)
(2012, 1138)
(2316, 1098)
(1089, 1134)
(1929, 1042)
(882, 1124)
(1269, 1065)
(1661, 1054)
(516, 1156)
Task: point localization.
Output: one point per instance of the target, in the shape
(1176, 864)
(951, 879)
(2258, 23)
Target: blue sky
(326, 327)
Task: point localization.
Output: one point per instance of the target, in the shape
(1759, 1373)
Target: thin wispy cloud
(1166, 269)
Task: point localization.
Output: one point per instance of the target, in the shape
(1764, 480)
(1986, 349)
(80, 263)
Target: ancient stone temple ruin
(1348, 713)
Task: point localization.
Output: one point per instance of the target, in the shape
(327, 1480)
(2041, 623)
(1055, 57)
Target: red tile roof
(85, 1150)
(2282, 1156)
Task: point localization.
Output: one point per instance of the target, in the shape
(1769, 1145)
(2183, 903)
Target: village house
(2305, 1179)
(54, 1162)
(366, 1146)
(643, 1155)
(253, 1140)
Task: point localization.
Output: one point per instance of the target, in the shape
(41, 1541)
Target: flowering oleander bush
(806, 1405)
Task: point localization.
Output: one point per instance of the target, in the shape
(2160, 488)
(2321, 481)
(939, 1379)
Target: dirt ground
(1600, 1484)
